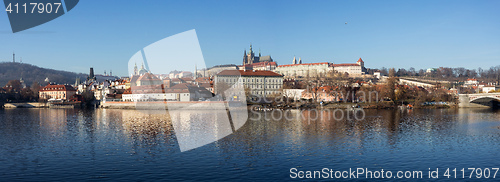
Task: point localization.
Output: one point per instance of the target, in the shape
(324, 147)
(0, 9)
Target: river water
(130, 145)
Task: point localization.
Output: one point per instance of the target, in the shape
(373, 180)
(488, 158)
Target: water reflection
(70, 144)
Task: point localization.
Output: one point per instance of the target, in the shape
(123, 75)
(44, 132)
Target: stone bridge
(479, 100)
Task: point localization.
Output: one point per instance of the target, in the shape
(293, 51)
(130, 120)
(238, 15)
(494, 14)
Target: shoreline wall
(26, 105)
(463, 102)
(188, 105)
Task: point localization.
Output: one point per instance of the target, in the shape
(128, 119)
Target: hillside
(31, 73)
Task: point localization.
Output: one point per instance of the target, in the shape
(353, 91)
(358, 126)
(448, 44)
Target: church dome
(143, 70)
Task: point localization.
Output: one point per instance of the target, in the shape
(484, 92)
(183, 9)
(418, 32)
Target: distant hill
(31, 73)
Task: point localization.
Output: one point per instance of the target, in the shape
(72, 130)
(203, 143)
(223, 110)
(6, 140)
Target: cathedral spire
(251, 55)
(294, 60)
(300, 60)
(245, 57)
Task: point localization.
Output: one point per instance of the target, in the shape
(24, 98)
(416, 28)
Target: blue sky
(401, 34)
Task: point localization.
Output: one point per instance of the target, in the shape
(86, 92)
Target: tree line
(14, 91)
(449, 74)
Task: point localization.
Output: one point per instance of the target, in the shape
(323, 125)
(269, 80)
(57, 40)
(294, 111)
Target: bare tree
(14, 85)
(220, 88)
(391, 83)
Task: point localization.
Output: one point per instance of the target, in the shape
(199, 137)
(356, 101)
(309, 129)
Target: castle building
(304, 70)
(250, 58)
(356, 69)
(269, 66)
(295, 60)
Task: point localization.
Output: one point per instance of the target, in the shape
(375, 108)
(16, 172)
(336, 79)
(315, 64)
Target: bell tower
(135, 69)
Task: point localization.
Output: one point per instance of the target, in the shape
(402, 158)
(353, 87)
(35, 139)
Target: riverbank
(344, 105)
(185, 105)
(219, 105)
(43, 105)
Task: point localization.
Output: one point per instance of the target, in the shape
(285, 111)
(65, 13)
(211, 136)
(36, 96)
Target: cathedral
(140, 72)
(250, 58)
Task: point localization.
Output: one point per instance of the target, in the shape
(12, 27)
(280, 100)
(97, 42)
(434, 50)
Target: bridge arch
(492, 101)
(482, 99)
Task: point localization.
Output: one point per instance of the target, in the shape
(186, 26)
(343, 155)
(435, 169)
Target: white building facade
(356, 69)
(304, 70)
(260, 83)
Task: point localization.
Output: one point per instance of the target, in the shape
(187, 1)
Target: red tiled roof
(180, 86)
(134, 78)
(360, 60)
(148, 77)
(185, 88)
(287, 65)
(248, 73)
(147, 89)
(263, 64)
(203, 79)
(345, 64)
(205, 85)
(128, 91)
(58, 88)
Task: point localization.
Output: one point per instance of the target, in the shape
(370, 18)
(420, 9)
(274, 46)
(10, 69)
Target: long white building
(304, 70)
(260, 82)
(356, 69)
(298, 70)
